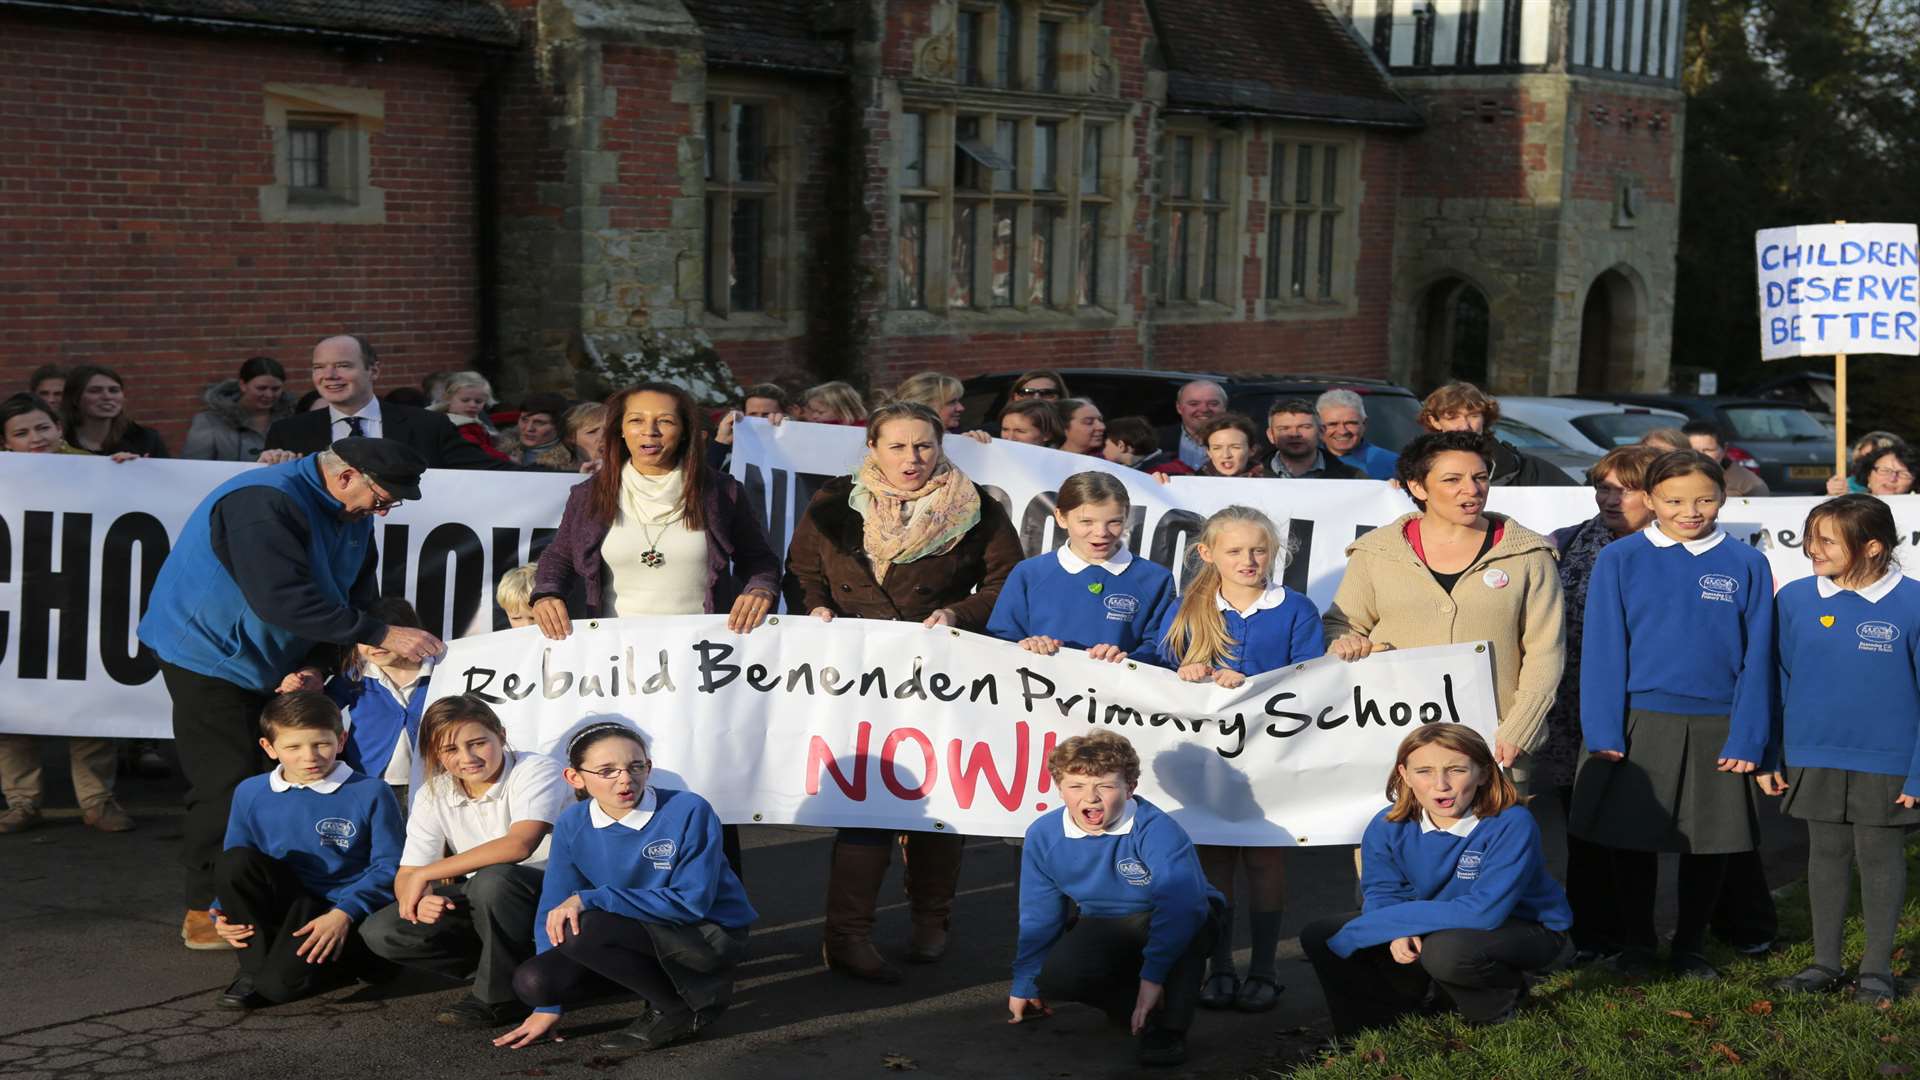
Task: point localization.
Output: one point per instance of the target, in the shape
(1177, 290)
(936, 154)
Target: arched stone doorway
(1609, 334)
(1455, 333)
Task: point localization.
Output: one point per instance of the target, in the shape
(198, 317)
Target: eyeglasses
(381, 501)
(1885, 473)
(615, 772)
(1037, 391)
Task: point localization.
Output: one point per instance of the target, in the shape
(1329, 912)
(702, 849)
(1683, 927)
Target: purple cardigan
(736, 548)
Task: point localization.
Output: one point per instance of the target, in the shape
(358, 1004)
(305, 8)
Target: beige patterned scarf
(904, 526)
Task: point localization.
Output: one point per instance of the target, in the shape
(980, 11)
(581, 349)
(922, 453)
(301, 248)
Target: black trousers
(608, 949)
(485, 937)
(1589, 887)
(1097, 963)
(260, 891)
(1634, 884)
(1483, 971)
(1745, 915)
(216, 726)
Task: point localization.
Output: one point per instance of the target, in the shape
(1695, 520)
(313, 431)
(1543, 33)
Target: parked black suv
(1391, 410)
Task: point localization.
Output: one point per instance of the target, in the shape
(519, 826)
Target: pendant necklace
(651, 558)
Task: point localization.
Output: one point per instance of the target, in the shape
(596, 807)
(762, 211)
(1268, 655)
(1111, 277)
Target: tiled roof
(774, 34)
(1289, 58)
(478, 21)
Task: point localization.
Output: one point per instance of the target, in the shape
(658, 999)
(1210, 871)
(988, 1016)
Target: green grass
(1592, 1023)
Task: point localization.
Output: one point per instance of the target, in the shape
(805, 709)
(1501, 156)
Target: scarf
(652, 500)
(904, 526)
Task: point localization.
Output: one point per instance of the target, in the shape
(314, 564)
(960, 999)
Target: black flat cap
(393, 466)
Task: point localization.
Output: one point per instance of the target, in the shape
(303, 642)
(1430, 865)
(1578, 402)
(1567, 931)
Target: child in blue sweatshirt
(1456, 892)
(311, 850)
(1676, 684)
(1092, 594)
(1849, 645)
(638, 894)
(382, 694)
(1147, 916)
(1236, 621)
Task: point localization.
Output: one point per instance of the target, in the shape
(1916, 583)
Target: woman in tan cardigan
(1452, 572)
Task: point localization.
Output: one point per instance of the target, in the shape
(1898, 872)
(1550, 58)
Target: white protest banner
(895, 726)
(81, 540)
(1838, 289)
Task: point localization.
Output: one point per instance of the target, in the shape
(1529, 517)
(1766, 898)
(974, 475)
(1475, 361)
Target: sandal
(1220, 990)
(1257, 994)
(1812, 979)
(1873, 988)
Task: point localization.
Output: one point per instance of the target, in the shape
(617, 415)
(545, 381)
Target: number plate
(1808, 472)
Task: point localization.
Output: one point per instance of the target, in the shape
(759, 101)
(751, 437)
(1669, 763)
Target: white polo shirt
(445, 818)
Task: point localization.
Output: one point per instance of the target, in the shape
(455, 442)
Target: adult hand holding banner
(895, 726)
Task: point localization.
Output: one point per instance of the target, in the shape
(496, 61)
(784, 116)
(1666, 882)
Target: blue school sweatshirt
(1063, 596)
(1682, 628)
(1146, 864)
(343, 845)
(375, 719)
(1417, 879)
(1850, 676)
(662, 863)
(1284, 628)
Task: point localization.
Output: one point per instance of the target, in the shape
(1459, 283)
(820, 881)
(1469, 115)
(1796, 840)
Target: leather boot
(853, 889)
(933, 873)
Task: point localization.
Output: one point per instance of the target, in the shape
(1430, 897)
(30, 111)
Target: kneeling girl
(638, 894)
(1456, 894)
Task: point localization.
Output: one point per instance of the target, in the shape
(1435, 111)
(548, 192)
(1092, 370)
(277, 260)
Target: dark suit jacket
(428, 432)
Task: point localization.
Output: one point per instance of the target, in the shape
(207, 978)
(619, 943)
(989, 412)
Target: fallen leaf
(899, 1062)
(1725, 1051)
(1760, 1008)
(1889, 1039)
(1636, 1033)
(1681, 1013)
(1374, 1056)
(1890, 1069)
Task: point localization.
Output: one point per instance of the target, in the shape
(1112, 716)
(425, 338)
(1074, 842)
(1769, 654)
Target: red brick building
(1400, 188)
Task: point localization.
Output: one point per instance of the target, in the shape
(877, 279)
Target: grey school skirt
(1667, 794)
(1844, 796)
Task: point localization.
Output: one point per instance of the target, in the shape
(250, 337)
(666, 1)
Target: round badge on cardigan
(1495, 578)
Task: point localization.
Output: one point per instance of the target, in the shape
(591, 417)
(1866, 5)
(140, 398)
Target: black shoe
(1158, 1046)
(1812, 979)
(471, 1012)
(1757, 948)
(1635, 963)
(655, 1031)
(1220, 990)
(1874, 989)
(1257, 994)
(1693, 965)
(239, 995)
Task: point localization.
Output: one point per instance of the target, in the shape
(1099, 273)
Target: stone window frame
(781, 314)
(994, 46)
(1196, 271)
(928, 211)
(1329, 286)
(350, 116)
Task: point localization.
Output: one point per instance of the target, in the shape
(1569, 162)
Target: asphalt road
(96, 982)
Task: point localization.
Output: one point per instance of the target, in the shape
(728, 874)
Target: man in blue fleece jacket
(1147, 917)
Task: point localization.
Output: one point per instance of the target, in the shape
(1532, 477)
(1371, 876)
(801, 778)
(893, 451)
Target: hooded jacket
(1509, 596)
(221, 431)
(1514, 468)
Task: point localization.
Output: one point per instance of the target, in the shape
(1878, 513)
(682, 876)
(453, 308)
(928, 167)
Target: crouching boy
(312, 847)
(1147, 917)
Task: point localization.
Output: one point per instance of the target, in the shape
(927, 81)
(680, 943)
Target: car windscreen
(1778, 422)
(1523, 436)
(1621, 429)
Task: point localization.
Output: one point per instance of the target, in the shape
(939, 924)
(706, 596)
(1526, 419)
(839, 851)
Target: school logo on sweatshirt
(1134, 872)
(336, 832)
(1877, 635)
(1121, 607)
(1468, 868)
(1718, 587)
(661, 853)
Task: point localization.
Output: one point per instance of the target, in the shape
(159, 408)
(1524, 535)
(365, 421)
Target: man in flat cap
(273, 571)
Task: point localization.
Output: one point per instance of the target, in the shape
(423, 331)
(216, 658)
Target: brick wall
(1615, 135)
(130, 160)
(1479, 143)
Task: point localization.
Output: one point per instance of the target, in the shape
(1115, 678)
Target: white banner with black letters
(81, 540)
(895, 726)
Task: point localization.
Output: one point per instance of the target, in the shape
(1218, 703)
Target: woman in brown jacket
(908, 538)
(1453, 572)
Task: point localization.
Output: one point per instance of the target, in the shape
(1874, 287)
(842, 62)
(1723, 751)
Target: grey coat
(220, 432)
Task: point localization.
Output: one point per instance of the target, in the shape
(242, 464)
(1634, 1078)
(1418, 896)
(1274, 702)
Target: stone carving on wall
(934, 56)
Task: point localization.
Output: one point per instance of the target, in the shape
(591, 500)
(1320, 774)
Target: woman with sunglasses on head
(1040, 384)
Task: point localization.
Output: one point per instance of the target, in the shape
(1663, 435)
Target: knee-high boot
(853, 889)
(933, 874)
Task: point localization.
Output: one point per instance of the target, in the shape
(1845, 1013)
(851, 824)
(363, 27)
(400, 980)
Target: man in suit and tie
(343, 373)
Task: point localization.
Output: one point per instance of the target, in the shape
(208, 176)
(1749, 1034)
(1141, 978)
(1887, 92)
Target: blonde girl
(1234, 621)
